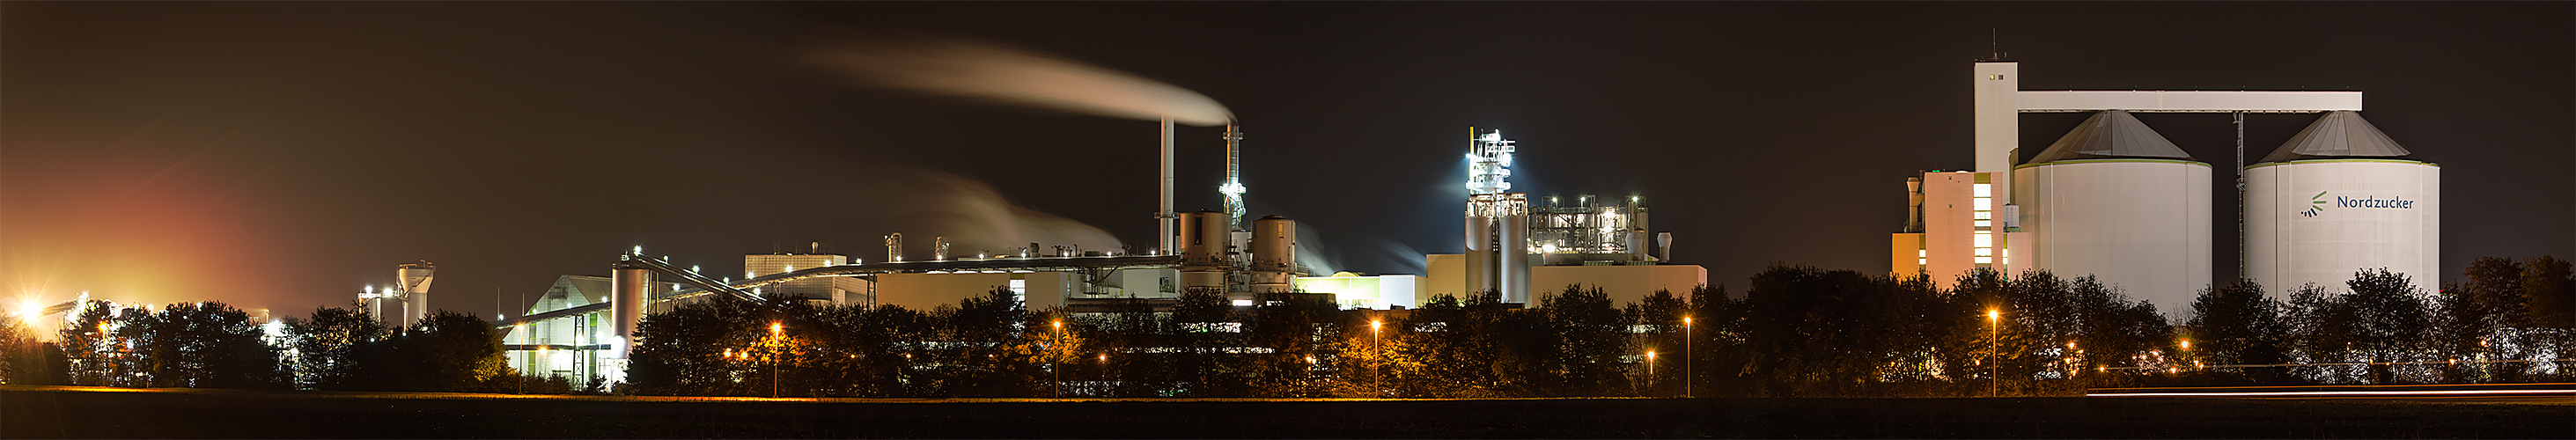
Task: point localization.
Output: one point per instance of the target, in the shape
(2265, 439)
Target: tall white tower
(1497, 221)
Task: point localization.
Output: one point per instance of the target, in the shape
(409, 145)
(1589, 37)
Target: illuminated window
(1985, 252)
(1985, 260)
(1922, 261)
(1985, 190)
(1985, 239)
(1985, 204)
(1985, 223)
(1918, 253)
(1985, 215)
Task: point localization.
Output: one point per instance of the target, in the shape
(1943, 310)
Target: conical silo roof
(2338, 134)
(2111, 135)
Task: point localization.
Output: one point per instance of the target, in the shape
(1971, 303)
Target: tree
(2549, 292)
(2238, 324)
(1586, 339)
(446, 351)
(1659, 316)
(327, 345)
(2392, 319)
(207, 344)
(89, 344)
(27, 360)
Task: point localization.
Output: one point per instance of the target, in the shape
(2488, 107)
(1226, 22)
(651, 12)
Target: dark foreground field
(78, 412)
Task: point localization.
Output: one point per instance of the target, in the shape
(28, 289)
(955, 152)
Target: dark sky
(283, 155)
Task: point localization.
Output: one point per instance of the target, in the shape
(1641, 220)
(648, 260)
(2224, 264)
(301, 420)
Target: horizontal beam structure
(2160, 101)
(873, 269)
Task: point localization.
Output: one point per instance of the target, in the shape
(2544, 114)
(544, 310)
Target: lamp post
(1995, 384)
(1687, 375)
(1377, 368)
(1650, 372)
(1051, 368)
(774, 331)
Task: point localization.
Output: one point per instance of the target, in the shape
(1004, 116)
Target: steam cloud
(975, 218)
(1016, 76)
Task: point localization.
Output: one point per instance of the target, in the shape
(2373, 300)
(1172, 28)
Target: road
(76, 412)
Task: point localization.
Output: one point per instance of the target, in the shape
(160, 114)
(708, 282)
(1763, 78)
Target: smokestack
(894, 248)
(1164, 220)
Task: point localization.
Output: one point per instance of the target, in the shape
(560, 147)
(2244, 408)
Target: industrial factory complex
(2112, 199)
(2115, 200)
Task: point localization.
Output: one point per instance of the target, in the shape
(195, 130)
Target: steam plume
(971, 214)
(1018, 76)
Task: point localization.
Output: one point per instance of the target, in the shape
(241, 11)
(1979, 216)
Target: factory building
(573, 347)
(1523, 251)
(2339, 198)
(1373, 292)
(836, 290)
(2115, 200)
(1952, 226)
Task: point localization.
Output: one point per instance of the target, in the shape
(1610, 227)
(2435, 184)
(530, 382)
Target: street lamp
(1377, 353)
(1051, 368)
(775, 330)
(1995, 384)
(1687, 374)
(1650, 371)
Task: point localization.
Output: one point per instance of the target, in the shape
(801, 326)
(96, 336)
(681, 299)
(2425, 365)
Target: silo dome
(2114, 200)
(2339, 198)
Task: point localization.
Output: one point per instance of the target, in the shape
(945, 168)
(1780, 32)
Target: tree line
(1793, 331)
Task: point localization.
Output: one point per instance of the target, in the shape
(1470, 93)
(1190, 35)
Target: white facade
(1963, 229)
(2320, 221)
(2141, 225)
(1376, 292)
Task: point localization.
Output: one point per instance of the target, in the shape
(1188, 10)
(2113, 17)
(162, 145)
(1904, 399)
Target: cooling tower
(2337, 199)
(2114, 200)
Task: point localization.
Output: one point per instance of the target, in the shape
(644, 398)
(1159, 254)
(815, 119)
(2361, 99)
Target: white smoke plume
(976, 218)
(1018, 76)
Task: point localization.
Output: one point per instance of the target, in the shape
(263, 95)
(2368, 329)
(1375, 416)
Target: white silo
(2337, 199)
(413, 284)
(2114, 200)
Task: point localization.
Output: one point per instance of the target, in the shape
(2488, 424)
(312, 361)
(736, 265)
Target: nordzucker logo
(2317, 204)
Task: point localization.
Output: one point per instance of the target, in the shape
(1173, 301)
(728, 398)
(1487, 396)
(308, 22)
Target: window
(1985, 260)
(1985, 204)
(1985, 252)
(1985, 190)
(1985, 239)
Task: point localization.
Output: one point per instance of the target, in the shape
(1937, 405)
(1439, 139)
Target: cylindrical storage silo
(1274, 254)
(1480, 256)
(627, 281)
(1513, 251)
(2116, 201)
(2338, 199)
(415, 287)
(1203, 241)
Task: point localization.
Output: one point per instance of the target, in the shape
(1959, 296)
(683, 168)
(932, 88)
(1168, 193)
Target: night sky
(283, 155)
